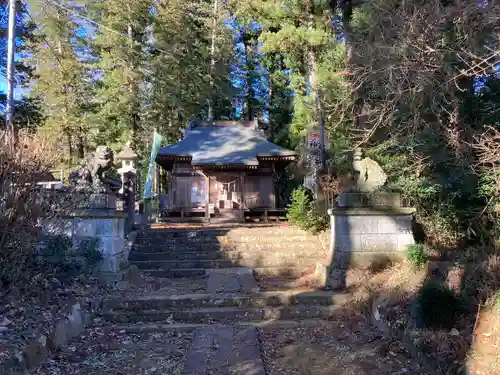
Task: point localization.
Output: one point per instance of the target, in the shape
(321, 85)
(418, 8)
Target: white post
(10, 67)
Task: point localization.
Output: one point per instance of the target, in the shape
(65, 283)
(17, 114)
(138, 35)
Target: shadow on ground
(378, 330)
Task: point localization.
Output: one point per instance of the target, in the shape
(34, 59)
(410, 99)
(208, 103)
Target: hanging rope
(224, 182)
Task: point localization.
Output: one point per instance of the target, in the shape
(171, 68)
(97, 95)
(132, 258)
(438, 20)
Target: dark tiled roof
(225, 145)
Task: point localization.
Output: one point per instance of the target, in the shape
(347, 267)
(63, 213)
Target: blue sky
(237, 76)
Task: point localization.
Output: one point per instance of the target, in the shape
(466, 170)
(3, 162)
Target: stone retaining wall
(35, 352)
(279, 246)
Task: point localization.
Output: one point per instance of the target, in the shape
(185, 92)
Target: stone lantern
(128, 157)
(128, 173)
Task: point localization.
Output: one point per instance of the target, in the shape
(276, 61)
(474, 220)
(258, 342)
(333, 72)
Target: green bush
(415, 253)
(303, 213)
(438, 306)
(89, 249)
(59, 252)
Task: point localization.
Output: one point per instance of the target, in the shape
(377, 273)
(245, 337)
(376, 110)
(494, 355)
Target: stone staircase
(231, 261)
(268, 250)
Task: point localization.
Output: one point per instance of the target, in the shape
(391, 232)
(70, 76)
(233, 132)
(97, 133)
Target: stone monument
(93, 216)
(369, 226)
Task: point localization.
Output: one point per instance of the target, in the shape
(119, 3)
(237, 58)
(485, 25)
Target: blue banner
(148, 187)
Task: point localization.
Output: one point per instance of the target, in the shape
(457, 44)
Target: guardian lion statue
(91, 173)
(370, 176)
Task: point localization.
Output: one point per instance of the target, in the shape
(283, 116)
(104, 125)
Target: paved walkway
(224, 350)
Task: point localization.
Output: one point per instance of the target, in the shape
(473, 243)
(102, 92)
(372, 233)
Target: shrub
(303, 213)
(438, 306)
(23, 205)
(482, 273)
(20, 207)
(89, 249)
(415, 254)
(58, 246)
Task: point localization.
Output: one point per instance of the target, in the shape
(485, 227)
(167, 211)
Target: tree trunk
(316, 95)
(80, 145)
(70, 146)
(133, 90)
(361, 107)
(212, 64)
(250, 93)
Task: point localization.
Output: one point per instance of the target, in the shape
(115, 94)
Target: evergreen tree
(27, 114)
(60, 78)
(303, 37)
(121, 46)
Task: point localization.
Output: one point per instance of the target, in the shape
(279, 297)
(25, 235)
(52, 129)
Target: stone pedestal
(109, 228)
(94, 221)
(367, 236)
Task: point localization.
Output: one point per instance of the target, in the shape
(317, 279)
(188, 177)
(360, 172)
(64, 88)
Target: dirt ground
(485, 355)
(108, 352)
(344, 347)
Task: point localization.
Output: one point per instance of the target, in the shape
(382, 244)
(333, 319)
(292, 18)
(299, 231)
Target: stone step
(251, 262)
(171, 255)
(235, 235)
(239, 258)
(202, 300)
(223, 314)
(286, 238)
(183, 232)
(267, 230)
(169, 240)
(176, 241)
(179, 247)
(183, 264)
(311, 246)
(288, 273)
(189, 327)
(176, 273)
(283, 245)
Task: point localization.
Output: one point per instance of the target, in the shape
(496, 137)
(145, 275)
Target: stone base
(379, 199)
(375, 261)
(337, 278)
(367, 238)
(371, 230)
(99, 228)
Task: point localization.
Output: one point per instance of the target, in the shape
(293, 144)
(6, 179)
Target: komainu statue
(92, 169)
(371, 176)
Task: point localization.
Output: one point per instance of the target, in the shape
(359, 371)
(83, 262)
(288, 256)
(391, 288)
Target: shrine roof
(225, 143)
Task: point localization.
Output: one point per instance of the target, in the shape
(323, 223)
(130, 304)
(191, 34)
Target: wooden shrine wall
(228, 189)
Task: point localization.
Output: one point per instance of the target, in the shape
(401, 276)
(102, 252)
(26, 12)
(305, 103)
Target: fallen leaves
(105, 351)
(332, 348)
(30, 313)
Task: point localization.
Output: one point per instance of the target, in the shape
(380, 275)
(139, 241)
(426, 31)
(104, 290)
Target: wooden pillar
(207, 197)
(274, 185)
(173, 188)
(242, 192)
